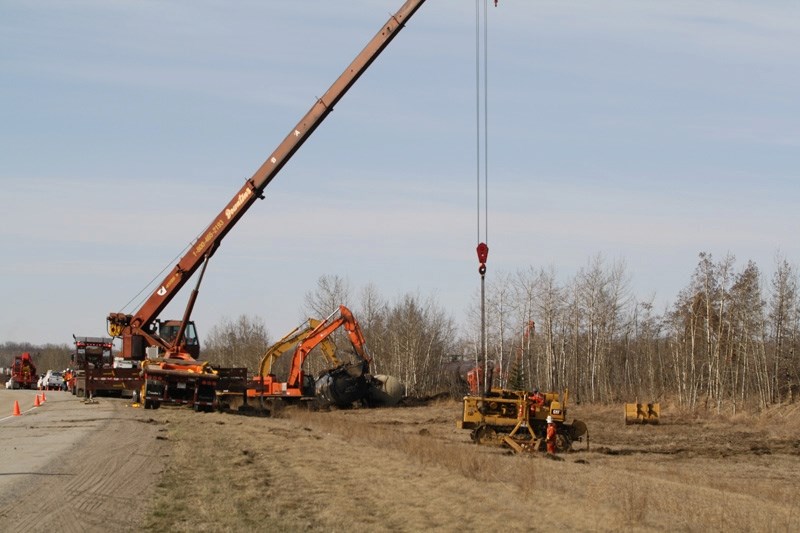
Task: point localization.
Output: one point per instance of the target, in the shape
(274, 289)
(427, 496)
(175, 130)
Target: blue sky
(644, 131)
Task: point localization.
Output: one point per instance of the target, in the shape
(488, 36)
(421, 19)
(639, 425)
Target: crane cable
(481, 122)
(482, 132)
(155, 278)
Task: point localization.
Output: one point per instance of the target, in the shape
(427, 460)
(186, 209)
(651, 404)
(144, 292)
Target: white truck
(52, 380)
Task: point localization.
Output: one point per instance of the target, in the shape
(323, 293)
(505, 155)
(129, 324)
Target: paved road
(30, 441)
(74, 466)
(25, 398)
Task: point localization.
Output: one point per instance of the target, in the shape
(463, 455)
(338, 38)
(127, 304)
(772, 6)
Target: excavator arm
(341, 384)
(290, 340)
(342, 317)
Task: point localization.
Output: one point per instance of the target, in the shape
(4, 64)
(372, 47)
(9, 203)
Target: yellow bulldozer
(517, 419)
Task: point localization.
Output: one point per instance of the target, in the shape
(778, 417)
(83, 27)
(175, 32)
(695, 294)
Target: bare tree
(745, 358)
(526, 287)
(331, 292)
(239, 342)
(784, 317)
(601, 296)
(500, 314)
(372, 316)
(418, 341)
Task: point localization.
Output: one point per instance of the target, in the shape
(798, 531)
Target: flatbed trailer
(231, 389)
(166, 382)
(107, 382)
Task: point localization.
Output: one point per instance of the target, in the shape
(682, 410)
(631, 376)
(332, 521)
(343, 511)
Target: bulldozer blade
(642, 413)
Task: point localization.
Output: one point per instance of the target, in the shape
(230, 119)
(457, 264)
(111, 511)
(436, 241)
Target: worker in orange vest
(536, 398)
(550, 438)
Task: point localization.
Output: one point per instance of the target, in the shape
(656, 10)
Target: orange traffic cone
(16, 408)
(36, 401)
(43, 398)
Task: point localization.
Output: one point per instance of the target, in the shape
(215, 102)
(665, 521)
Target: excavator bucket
(642, 413)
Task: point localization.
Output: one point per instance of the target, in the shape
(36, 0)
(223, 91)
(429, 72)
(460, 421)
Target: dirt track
(70, 466)
(401, 469)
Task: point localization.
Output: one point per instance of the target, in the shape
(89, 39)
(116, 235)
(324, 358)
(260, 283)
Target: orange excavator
(265, 386)
(342, 385)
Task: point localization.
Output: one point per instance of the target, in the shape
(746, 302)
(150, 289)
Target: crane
(169, 349)
(177, 339)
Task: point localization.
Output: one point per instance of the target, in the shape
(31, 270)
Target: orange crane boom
(138, 329)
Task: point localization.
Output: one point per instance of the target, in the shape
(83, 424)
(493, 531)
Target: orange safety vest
(551, 438)
(537, 401)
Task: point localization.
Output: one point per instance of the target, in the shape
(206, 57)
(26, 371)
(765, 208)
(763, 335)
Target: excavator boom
(290, 340)
(341, 317)
(341, 384)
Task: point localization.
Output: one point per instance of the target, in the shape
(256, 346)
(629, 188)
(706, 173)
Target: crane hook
(483, 254)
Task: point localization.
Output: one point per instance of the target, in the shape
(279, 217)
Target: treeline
(45, 357)
(730, 338)
(408, 338)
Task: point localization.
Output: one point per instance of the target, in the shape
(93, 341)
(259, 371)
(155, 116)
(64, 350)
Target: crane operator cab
(168, 330)
(159, 338)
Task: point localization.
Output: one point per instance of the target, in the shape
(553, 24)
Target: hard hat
(549, 419)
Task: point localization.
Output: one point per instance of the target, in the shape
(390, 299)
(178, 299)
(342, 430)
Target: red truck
(23, 373)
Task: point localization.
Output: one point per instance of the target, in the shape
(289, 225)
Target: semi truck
(95, 372)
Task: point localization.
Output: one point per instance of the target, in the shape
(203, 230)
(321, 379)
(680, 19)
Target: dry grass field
(410, 469)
